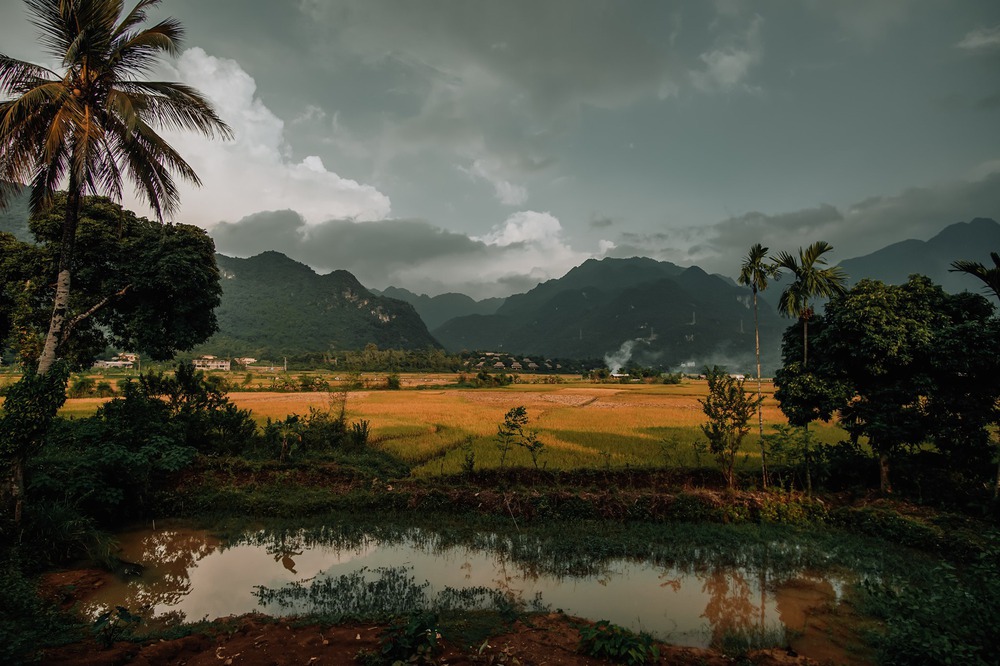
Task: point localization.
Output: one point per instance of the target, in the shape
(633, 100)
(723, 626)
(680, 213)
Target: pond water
(191, 574)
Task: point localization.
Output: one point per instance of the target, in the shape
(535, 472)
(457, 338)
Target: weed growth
(605, 640)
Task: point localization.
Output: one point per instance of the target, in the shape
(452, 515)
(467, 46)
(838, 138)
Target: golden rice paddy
(436, 427)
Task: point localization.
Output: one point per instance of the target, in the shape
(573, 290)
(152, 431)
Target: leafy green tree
(895, 363)
(91, 125)
(729, 409)
(755, 272)
(990, 277)
(140, 285)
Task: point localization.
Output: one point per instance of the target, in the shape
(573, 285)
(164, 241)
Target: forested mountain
(665, 315)
(14, 218)
(659, 313)
(894, 263)
(436, 310)
(273, 306)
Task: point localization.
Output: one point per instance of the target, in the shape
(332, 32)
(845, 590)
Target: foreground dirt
(254, 641)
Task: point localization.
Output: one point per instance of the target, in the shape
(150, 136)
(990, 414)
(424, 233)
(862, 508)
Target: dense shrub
(968, 597)
(28, 623)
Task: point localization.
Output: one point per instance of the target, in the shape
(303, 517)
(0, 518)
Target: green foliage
(787, 449)
(949, 616)
(605, 640)
(28, 623)
(30, 406)
(114, 625)
(360, 432)
(729, 409)
(484, 379)
(409, 640)
(198, 404)
(137, 284)
(108, 466)
(901, 365)
(512, 433)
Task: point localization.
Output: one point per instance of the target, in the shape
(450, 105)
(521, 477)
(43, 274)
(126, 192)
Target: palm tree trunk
(760, 406)
(805, 343)
(60, 306)
(60, 302)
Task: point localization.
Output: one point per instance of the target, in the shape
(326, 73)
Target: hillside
(666, 316)
(895, 263)
(272, 306)
(14, 218)
(436, 310)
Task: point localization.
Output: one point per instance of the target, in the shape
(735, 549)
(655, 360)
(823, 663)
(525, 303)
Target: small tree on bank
(729, 409)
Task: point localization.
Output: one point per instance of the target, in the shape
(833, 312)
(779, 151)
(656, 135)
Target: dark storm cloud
(369, 248)
(856, 230)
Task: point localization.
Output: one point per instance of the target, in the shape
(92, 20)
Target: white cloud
(981, 38)
(525, 249)
(506, 192)
(256, 171)
(726, 67)
(525, 227)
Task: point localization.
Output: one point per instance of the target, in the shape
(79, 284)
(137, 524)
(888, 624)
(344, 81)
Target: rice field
(434, 426)
(581, 424)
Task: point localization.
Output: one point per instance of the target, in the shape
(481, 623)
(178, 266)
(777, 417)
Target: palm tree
(991, 282)
(811, 281)
(90, 125)
(755, 273)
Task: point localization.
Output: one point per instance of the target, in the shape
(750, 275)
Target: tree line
(909, 370)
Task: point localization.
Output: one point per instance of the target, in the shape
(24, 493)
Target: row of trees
(903, 366)
(812, 279)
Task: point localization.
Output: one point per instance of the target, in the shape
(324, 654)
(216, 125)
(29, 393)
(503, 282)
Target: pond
(694, 595)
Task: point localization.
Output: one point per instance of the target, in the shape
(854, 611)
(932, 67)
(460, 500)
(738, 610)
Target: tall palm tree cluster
(812, 279)
(90, 124)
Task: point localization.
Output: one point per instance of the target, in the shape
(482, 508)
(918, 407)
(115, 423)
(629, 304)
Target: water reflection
(692, 596)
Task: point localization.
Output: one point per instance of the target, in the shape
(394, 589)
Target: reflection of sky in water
(191, 572)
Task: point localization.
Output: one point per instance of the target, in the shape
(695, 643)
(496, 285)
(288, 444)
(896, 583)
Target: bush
(199, 406)
(968, 597)
(609, 641)
(109, 465)
(27, 622)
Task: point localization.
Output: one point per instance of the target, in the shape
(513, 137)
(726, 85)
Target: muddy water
(193, 575)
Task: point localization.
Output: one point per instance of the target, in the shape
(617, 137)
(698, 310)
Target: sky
(483, 146)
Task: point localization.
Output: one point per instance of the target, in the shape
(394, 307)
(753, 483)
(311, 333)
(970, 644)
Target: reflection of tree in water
(729, 610)
(167, 557)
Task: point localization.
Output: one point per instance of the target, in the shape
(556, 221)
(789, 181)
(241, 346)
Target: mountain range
(274, 306)
(654, 312)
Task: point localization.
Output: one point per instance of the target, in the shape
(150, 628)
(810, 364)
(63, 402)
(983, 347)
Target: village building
(211, 363)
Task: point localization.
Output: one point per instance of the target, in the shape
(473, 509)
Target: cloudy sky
(485, 145)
